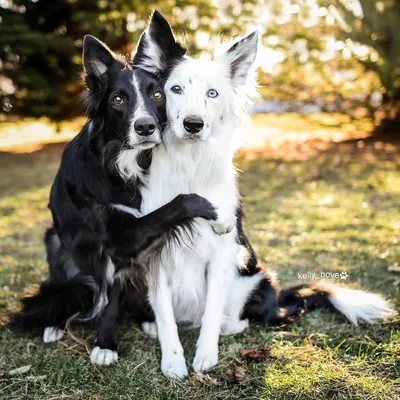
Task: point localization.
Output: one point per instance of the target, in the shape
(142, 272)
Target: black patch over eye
(117, 100)
(158, 95)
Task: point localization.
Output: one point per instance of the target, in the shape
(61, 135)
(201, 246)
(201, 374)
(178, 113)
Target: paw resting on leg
(224, 224)
(52, 334)
(103, 356)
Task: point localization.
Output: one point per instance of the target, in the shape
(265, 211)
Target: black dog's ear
(157, 48)
(97, 59)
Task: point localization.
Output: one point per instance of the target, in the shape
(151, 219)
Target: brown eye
(176, 89)
(117, 100)
(157, 96)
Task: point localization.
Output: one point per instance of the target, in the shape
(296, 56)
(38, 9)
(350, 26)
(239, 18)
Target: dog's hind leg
(219, 277)
(105, 350)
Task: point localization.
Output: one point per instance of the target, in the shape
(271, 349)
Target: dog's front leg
(105, 350)
(173, 363)
(219, 275)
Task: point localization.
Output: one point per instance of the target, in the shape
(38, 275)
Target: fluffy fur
(214, 282)
(99, 241)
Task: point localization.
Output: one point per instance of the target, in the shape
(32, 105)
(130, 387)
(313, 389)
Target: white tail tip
(358, 305)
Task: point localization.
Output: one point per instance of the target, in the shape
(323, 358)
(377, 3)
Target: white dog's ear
(241, 57)
(157, 48)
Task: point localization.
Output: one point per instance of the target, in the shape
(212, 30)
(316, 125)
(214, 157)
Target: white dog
(201, 281)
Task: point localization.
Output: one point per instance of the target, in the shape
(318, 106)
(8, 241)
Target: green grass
(308, 208)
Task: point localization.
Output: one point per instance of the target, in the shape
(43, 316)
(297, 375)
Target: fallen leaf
(200, 379)
(20, 370)
(256, 355)
(238, 375)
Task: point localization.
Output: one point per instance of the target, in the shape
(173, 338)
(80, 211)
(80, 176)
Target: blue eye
(176, 89)
(212, 93)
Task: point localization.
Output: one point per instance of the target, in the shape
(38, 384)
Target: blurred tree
(375, 25)
(311, 62)
(41, 43)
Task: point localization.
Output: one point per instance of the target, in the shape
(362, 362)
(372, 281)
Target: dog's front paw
(205, 358)
(103, 356)
(173, 365)
(52, 334)
(223, 224)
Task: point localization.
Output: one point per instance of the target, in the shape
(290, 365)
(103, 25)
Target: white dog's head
(202, 95)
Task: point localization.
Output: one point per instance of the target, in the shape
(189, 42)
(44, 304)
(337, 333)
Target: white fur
(99, 67)
(103, 356)
(52, 334)
(238, 294)
(127, 164)
(153, 60)
(129, 210)
(359, 305)
(173, 363)
(150, 329)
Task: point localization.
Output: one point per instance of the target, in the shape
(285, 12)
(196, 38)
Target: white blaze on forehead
(140, 105)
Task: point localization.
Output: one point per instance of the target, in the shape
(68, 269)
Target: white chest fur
(205, 169)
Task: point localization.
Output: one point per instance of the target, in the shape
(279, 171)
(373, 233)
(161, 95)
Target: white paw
(52, 334)
(223, 224)
(205, 358)
(150, 329)
(233, 327)
(103, 356)
(173, 365)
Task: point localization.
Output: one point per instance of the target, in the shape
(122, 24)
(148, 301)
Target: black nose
(193, 124)
(145, 126)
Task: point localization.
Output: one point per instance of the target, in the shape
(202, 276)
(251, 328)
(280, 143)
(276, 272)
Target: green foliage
(313, 60)
(375, 24)
(41, 42)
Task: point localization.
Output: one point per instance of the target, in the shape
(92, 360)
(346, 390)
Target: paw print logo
(344, 275)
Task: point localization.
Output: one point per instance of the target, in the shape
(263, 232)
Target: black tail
(54, 304)
(295, 301)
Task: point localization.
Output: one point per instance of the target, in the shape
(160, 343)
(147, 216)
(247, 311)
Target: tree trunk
(387, 116)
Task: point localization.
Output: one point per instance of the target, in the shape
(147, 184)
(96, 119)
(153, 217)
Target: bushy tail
(54, 304)
(356, 305)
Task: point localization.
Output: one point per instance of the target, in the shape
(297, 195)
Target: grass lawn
(314, 203)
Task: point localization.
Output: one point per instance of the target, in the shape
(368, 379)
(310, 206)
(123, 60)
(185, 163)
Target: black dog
(98, 233)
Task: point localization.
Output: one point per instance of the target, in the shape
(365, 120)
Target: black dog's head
(128, 102)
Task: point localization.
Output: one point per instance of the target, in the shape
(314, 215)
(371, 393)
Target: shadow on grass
(29, 168)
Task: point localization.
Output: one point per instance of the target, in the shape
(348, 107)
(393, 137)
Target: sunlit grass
(31, 134)
(314, 209)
